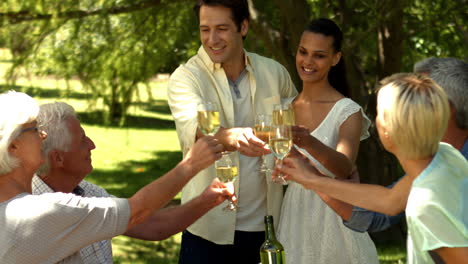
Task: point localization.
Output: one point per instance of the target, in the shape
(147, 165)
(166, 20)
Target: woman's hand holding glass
(298, 168)
(227, 169)
(301, 136)
(280, 145)
(262, 131)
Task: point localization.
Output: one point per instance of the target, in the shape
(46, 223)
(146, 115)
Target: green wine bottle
(271, 252)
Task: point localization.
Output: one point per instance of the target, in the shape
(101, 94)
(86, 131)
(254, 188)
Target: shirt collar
(216, 66)
(39, 187)
(464, 150)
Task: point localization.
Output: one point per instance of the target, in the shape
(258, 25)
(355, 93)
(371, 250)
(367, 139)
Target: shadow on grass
(127, 250)
(60, 94)
(132, 121)
(155, 106)
(131, 176)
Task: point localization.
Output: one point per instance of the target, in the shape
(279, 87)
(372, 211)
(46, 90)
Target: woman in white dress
(330, 127)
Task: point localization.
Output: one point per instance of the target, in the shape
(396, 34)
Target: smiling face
(220, 36)
(315, 56)
(77, 160)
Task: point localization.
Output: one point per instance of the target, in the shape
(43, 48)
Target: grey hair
(53, 119)
(16, 109)
(452, 75)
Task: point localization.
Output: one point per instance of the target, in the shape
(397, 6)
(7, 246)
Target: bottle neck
(270, 231)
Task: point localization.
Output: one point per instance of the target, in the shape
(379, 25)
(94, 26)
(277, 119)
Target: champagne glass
(262, 131)
(208, 118)
(227, 168)
(280, 144)
(283, 114)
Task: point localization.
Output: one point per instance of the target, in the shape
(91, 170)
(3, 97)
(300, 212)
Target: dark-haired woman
(330, 127)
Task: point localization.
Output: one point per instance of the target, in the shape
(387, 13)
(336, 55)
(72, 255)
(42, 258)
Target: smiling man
(243, 84)
(67, 150)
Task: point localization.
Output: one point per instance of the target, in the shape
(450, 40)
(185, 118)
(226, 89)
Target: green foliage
(109, 53)
(114, 45)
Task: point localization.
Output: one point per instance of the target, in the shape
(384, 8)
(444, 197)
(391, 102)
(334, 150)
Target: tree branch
(24, 16)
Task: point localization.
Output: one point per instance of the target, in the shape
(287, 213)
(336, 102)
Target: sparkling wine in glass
(262, 131)
(208, 118)
(227, 169)
(283, 114)
(280, 144)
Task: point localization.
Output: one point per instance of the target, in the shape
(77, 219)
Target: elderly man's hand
(217, 192)
(203, 153)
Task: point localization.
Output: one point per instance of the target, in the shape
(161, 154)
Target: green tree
(112, 46)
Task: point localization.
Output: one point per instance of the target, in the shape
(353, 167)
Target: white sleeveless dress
(309, 230)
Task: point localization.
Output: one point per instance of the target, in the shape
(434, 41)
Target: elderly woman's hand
(203, 153)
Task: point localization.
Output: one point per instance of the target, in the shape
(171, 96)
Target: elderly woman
(53, 227)
(412, 116)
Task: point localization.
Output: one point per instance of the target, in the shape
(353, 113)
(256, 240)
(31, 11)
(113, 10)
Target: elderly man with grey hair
(53, 227)
(452, 75)
(68, 160)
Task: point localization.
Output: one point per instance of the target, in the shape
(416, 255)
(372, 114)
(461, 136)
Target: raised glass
(283, 114)
(280, 144)
(208, 118)
(262, 131)
(227, 169)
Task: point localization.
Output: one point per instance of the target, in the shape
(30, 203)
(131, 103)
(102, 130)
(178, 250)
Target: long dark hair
(337, 74)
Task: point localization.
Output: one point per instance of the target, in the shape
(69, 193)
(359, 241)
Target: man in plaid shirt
(68, 160)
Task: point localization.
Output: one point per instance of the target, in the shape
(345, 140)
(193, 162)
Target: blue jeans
(246, 249)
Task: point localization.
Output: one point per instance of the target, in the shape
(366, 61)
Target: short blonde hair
(16, 109)
(416, 113)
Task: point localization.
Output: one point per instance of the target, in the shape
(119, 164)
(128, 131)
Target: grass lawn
(125, 159)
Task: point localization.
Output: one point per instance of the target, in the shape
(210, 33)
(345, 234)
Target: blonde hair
(16, 109)
(415, 114)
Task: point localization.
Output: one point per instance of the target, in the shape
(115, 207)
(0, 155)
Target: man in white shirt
(68, 152)
(243, 84)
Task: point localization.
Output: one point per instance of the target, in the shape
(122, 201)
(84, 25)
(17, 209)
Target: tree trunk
(282, 43)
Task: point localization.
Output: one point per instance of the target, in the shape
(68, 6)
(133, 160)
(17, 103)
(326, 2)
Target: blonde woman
(412, 117)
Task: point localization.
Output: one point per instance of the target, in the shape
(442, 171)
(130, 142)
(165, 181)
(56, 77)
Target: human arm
(339, 160)
(360, 219)
(156, 194)
(455, 255)
(169, 221)
(372, 197)
(240, 139)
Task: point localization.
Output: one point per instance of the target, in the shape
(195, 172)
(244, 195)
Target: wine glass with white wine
(283, 114)
(262, 131)
(227, 168)
(280, 144)
(208, 118)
